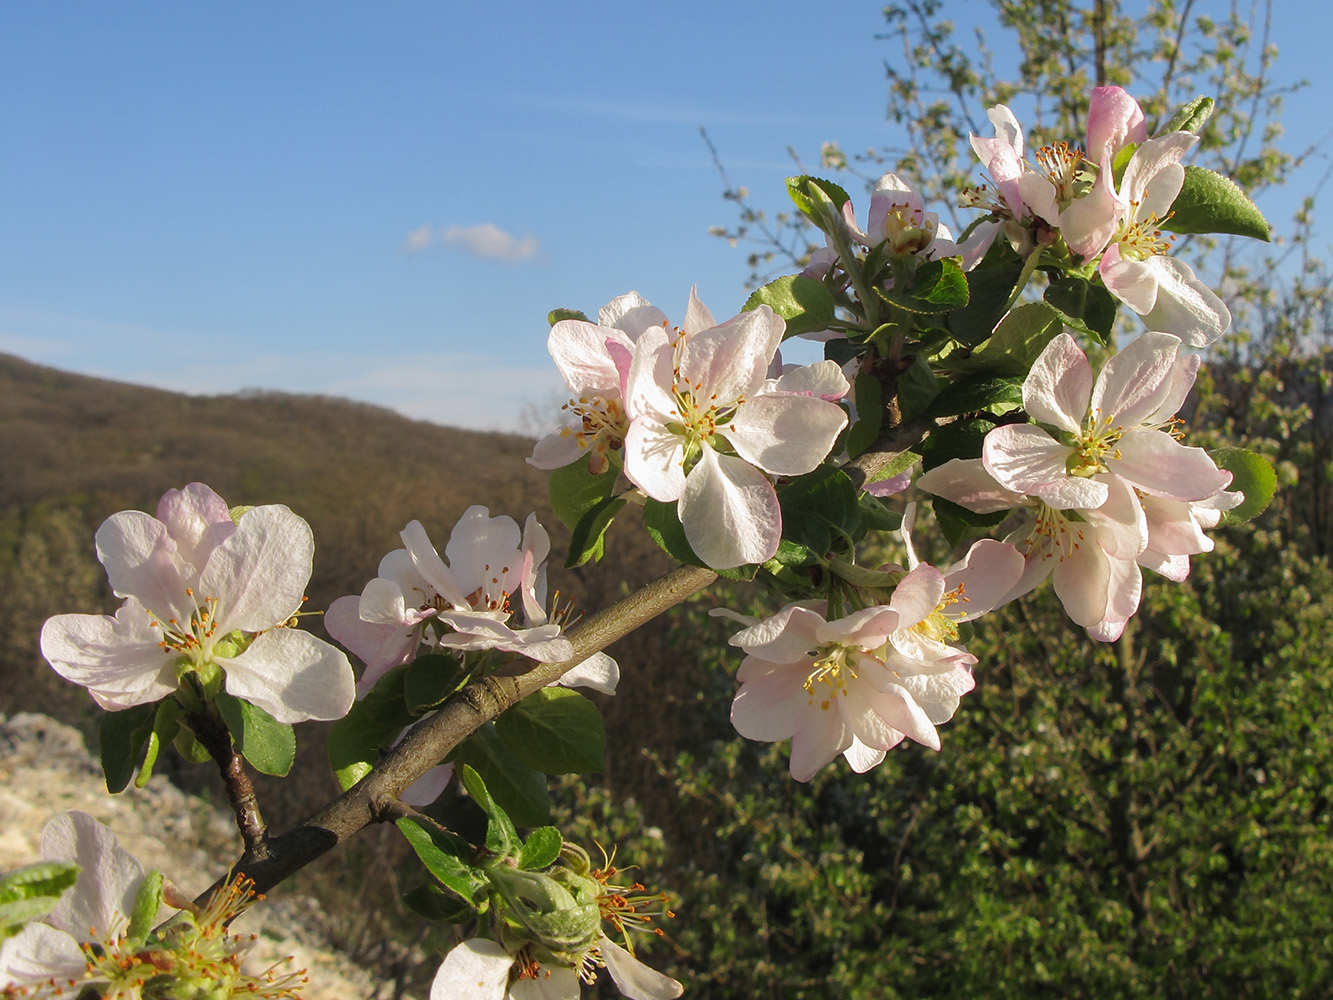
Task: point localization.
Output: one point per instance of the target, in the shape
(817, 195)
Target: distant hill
(75, 449)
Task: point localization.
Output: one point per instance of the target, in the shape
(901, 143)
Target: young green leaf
(805, 303)
(30, 892)
(870, 414)
(941, 286)
(501, 836)
(123, 736)
(1211, 203)
(574, 490)
(556, 315)
(443, 855)
(433, 903)
(373, 723)
(430, 680)
(1251, 474)
(269, 745)
(541, 848)
(977, 393)
(555, 730)
(1086, 305)
(1017, 342)
(588, 538)
(514, 788)
(1189, 118)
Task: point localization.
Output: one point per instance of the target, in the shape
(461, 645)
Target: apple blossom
(204, 593)
(704, 430)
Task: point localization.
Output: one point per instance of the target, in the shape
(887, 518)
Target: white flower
(480, 969)
(203, 592)
(704, 431)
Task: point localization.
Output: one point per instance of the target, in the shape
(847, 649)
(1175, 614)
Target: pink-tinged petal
(1157, 463)
(477, 969)
(651, 379)
(1124, 590)
(1185, 305)
(1088, 223)
(1007, 129)
(1114, 121)
(823, 379)
(379, 647)
(39, 953)
(119, 660)
(1081, 582)
(896, 712)
(292, 676)
(785, 435)
(430, 567)
(1174, 567)
(634, 979)
(109, 876)
(487, 630)
(1023, 457)
(1154, 175)
(1071, 493)
(655, 459)
(599, 672)
(631, 313)
(1133, 282)
(579, 350)
(771, 707)
(821, 737)
(382, 603)
(891, 191)
(965, 481)
(259, 574)
(868, 628)
(729, 362)
(560, 448)
(729, 511)
(917, 595)
(862, 758)
(891, 486)
(484, 550)
(988, 572)
(1134, 383)
(1183, 374)
(142, 562)
(1173, 528)
(198, 521)
(1119, 525)
(1059, 386)
(697, 316)
(938, 692)
(1038, 195)
(429, 787)
(785, 637)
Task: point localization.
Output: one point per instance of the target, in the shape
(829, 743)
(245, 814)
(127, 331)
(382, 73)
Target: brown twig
(212, 733)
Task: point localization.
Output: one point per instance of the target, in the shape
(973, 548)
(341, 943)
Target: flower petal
(1157, 463)
(477, 969)
(39, 953)
(1185, 305)
(1059, 385)
(119, 660)
(599, 672)
(109, 876)
(197, 520)
(654, 459)
(634, 979)
(786, 435)
(259, 574)
(1134, 383)
(293, 676)
(730, 512)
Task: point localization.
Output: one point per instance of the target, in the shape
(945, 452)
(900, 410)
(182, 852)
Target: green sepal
(190, 748)
(146, 904)
(541, 848)
(805, 303)
(165, 726)
(1211, 203)
(269, 745)
(555, 730)
(29, 893)
(501, 837)
(442, 853)
(433, 903)
(556, 315)
(976, 393)
(664, 527)
(513, 786)
(820, 508)
(431, 679)
(373, 723)
(1017, 342)
(862, 576)
(1188, 118)
(869, 414)
(1085, 305)
(940, 286)
(1251, 474)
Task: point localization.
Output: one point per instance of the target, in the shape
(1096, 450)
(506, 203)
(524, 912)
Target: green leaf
(898, 465)
(1017, 342)
(1189, 118)
(574, 490)
(123, 737)
(442, 853)
(1252, 475)
(269, 745)
(1211, 203)
(957, 522)
(917, 389)
(517, 789)
(989, 289)
(190, 748)
(556, 315)
(588, 538)
(813, 195)
(976, 393)
(555, 730)
(374, 722)
(166, 725)
(29, 893)
(430, 680)
(433, 903)
(1086, 306)
(960, 439)
(941, 286)
(878, 517)
(805, 303)
(819, 507)
(501, 836)
(663, 525)
(541, 848)
(147, 902)
(870, 414)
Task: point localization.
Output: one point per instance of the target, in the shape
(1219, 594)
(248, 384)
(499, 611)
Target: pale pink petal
(917, 595)
(559, 448)
(1157, 463)
(1114, 121)
(821, 737)
(868, 628)
(477, 969)
(293, 676)
(631, 313)
(579, 351)
(119, 660)
(1154, 175)
(198, 521)
(651, 378)
(1089, 222)
(483, 551)
(729, 511)
(379, 647)
(895, 712)
(988, 572)
(938, 692)
(1133, 282)
(786, 435)
(785, 637)
(862, 758)
(431, 568)
(634, 979)
(429, 787)
(1185, 305)
(823, 379)
(729, 362)
(39, 953)
(770, 707)
(1059, 385)
(487, 630)
(1134, 383)
(1023, 457)
(697, 316)
(1082, 580)
(259, 574)
(142, 562)
(599, 672)
(654, 459)
(108, 882)
(1119, 525)
(965, 481)
(1183, 374)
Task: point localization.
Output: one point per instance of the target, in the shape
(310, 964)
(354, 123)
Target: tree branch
(212, 733)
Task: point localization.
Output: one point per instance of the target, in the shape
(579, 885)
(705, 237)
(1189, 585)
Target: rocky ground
(45, 769)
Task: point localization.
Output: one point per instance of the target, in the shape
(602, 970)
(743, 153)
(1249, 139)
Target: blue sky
(383, 201)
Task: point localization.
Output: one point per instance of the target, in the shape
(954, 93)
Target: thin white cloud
(485, 240)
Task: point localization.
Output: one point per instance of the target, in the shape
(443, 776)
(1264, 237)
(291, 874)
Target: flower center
(940, 624)
(699, 417)
(603, 428)
(1053, 534)
(833, 666)
(1060, 162)
(1094, 446)
(1139, 240)
(194, 638)
(903, 231)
